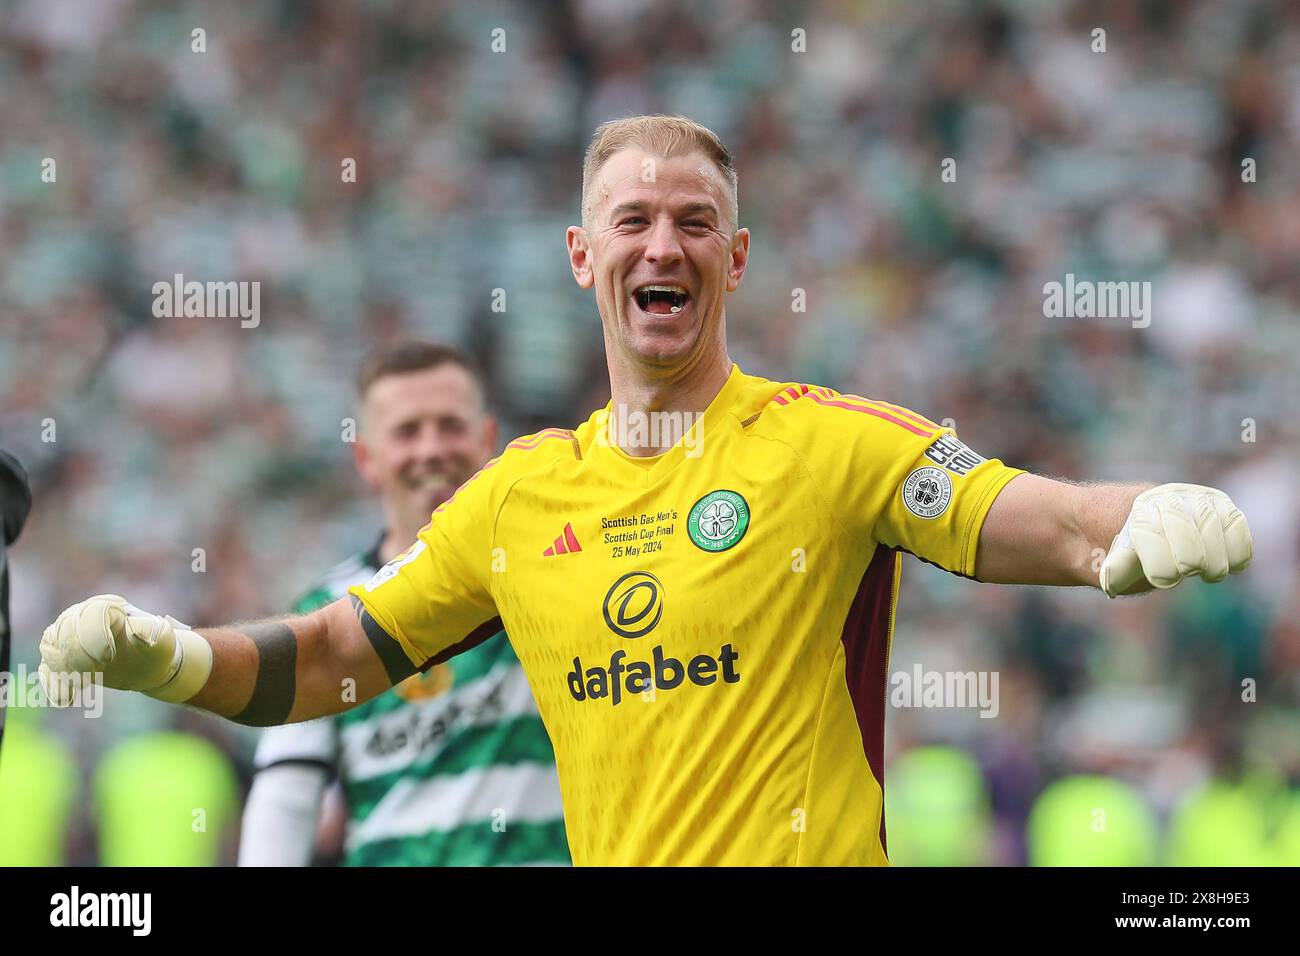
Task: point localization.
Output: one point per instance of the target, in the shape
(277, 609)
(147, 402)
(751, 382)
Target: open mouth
(661, 299)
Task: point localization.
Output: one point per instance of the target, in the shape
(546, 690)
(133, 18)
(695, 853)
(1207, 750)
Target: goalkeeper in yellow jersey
(699, 580)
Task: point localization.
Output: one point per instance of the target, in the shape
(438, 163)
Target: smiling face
(422, 435)
(660, 247)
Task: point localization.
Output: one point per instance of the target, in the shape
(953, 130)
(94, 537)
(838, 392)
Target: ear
(362, 458)
(580, 256)
(739, 259)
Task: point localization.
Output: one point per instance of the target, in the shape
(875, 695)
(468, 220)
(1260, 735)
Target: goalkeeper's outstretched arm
(289, 669)
(1123, 539)
(260, 673)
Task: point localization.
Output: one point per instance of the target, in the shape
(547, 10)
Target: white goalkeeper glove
(1173, 531)
(133, 649)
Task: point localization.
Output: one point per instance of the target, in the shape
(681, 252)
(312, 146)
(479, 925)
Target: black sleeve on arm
(15, 498)
(276, 683)
(396, 664)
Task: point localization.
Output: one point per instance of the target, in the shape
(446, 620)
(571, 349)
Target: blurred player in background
(452, 766)
(701, 579)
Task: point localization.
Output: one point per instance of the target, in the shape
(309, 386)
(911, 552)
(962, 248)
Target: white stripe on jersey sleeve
(312, 741)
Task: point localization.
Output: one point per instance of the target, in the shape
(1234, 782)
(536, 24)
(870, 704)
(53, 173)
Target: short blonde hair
(665, 135)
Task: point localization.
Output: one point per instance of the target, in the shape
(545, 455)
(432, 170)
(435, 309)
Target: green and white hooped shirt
(453, 767)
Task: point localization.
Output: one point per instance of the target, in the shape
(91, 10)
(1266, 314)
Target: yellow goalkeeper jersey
(706, 632)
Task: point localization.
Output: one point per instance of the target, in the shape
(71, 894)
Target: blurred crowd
(199, 467)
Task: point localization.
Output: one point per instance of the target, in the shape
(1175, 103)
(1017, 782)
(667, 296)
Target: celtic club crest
(718, 521)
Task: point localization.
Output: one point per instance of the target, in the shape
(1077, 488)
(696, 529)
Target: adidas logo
(566, 543)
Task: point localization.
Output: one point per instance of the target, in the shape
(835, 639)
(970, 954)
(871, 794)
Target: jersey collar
(649, 471)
